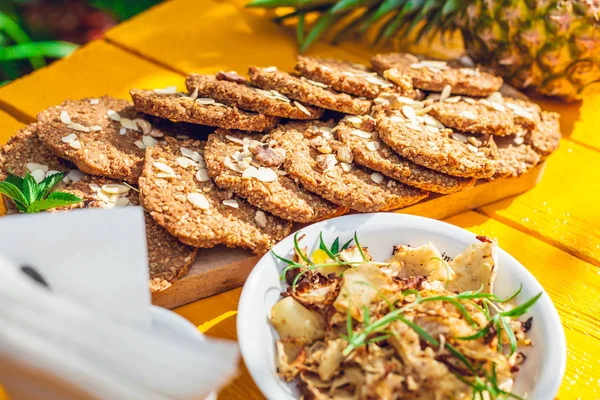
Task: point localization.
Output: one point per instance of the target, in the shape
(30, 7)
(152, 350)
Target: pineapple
(547, 46)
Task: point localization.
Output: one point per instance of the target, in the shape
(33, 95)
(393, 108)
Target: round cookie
(371, 152)
(104, 136)
(302, 90)
(347, 77)
(514, 157)
(233, 90)
(435, 148)
(25, 152)
(495, 116)
(545, 138)
(178, 108)
(176, 190)
(435, 75)
(324, 166)
(257, 179)
(168, 258)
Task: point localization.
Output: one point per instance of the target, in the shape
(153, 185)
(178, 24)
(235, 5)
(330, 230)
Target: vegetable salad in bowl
(419, 325)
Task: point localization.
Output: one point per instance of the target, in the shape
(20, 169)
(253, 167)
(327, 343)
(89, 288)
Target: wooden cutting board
(219, 269)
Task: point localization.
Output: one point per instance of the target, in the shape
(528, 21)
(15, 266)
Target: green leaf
(56, 199)
(299, 250)
(323, 23)
(300, 30)
(45, 186)
(360, 250)
(10, 190)
(386, 7)
(523, 308)
(15, 180)
(347, 244)
(323, 247)
(335, 246)
(18, 35)
(30, 188)
(64, 196)
(36, 49)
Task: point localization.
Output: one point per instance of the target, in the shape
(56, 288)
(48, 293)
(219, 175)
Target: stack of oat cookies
(331, 137)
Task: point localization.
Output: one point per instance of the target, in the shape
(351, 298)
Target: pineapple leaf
(386, 7)
(325, 21)
(301, 5)
(350, 26)
(344, 5)
(300, 30)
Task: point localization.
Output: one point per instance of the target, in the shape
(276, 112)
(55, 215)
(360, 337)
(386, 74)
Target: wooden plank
(563, 208)
(220, 36)
(220, 269)
(573, 285)
(585, 130)
(96, 69)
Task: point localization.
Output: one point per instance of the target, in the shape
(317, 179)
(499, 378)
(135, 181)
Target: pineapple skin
(550, 47)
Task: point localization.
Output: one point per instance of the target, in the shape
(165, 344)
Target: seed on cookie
(114, 150)
(347, 77)
(194, 211)
(334, 176)
(439, 150)
(435, 75)
(307, 93)
(258, 182)
(499, 117)
(232, 91)
(26, 153)
(203, 111)
(376, 155)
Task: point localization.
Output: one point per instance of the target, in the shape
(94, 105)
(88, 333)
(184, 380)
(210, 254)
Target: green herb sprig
(332, 252)
(480, 382)
(32, 197)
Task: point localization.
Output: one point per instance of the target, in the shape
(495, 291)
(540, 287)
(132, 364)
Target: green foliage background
(22, 49)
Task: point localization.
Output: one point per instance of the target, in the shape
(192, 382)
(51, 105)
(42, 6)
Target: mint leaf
(10, 190)
(15, 180)
(64, 196)
(55, 199)
(45, 186)
(29, 188)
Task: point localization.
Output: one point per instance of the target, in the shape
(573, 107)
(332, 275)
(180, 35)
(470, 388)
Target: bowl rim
(551, 382)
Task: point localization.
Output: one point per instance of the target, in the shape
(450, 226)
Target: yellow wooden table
(554, 229)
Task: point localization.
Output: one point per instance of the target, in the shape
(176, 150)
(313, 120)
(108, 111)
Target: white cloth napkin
(54, 345)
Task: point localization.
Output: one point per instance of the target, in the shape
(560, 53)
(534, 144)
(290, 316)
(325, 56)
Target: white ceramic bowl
(540, 376)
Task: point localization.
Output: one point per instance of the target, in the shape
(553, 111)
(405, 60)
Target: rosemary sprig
(32, 197)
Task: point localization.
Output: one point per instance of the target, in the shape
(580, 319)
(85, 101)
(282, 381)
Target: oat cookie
(347, 77)
(301, 90)
(437, 148)
(234, 90)
(435, 75)
(496, 116)
(324, 166)
(249, 168)
(371, 152)
(545, 138)
(25, 152)
(104, 136)
(182, 108)
(168, 258)
(514, 157)
(177, 192)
